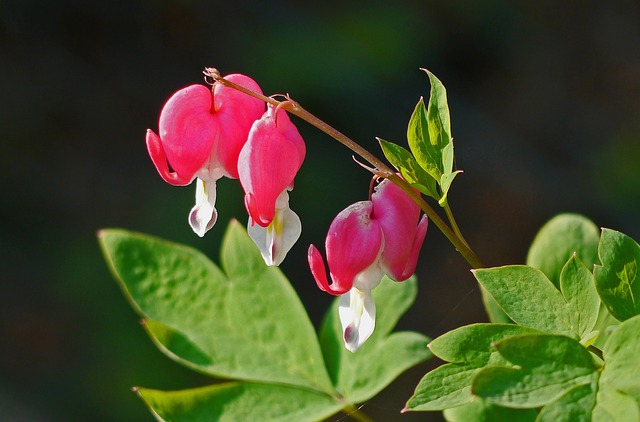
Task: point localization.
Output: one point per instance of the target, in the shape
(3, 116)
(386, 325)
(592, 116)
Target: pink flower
(202, 131)
(366, 241)
(267, 165)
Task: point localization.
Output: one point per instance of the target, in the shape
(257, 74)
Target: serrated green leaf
(622, 368)
(361, 375)
(559, 239)
(578, 288)
(469, 348)
(473, 343)
(575, 405)
(409, 168)
(548, 366)
(481, 411)
(617, 279)
(527, 297)
(245, 323)
(240, 402)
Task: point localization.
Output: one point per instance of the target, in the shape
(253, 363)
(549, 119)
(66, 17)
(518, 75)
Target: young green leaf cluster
(243, 322)
(429, 165)
(571, 351)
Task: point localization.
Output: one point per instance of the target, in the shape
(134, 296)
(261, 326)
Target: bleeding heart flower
(267, 165)
(366, 241)
(202, 131)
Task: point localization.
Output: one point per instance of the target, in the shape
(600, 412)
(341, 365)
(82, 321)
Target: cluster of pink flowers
(209, 133)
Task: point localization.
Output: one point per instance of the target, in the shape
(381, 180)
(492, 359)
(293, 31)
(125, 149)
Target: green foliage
(481, 411)
(244, 322)
(528, 297)
(622, 369)
(201, 314)
(547, 366)
(235, 401)
(617, 279)
(578, 289)
(385, 355)
(409, 168)
(560, 238)
(468, 349)
(429, 165)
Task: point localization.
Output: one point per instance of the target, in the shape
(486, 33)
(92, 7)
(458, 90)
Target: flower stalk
(380, 169)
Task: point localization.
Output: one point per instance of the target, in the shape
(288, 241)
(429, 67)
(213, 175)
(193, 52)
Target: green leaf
(361, 375)
(427, 152)
(548, 366)
(240, 402)
(574, 405)
(494, 311)
(527, 297)
(605, 324)
(614, 405)
(445, 184)
(439, 122)
(559, 239)
(429, 136)
(622, 368)
(448, 385)
(482, 411)
(244, 323)
(469, 348)
(474, 343)
(617, 279)
(411, 171)
(578, 288)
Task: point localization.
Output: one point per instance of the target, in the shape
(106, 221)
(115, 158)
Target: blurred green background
(545, 103)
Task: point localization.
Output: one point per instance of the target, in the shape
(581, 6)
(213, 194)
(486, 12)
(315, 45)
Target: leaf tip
(135, 389)
(405, 410)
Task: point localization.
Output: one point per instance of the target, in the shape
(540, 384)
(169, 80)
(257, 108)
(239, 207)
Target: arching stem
(379, 168)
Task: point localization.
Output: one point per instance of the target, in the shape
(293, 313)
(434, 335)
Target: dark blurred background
(545, 104)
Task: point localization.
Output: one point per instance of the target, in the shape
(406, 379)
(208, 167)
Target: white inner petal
(357, 312)
(275, 240)
(204, 215)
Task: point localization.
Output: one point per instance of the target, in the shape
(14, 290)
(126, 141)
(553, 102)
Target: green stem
(454, 224)
(379, 168)
(356, 414)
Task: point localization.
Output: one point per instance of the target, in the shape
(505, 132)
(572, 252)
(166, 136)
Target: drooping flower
(267, 165)
(366, 241)
(202, 131)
